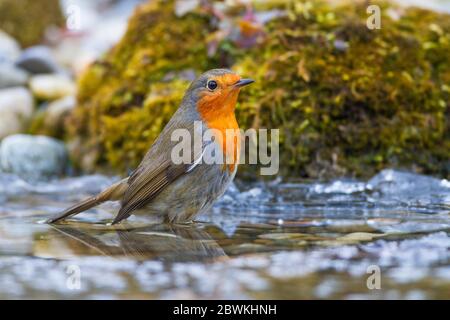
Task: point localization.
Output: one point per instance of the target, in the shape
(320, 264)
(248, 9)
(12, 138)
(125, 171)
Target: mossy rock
(130, 90)
(348, 100)
(27, 20)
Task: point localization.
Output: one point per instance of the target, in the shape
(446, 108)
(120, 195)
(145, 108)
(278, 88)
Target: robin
(178, 192)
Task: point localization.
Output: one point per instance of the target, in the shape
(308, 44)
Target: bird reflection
(162, 242)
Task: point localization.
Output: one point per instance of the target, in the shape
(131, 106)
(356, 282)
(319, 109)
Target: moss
(27, 20)
(348, 100)
(380, 102)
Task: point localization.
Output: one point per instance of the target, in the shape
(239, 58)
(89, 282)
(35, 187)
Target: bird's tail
(114, 192)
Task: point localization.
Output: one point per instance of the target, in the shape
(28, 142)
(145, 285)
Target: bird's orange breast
(217, 111)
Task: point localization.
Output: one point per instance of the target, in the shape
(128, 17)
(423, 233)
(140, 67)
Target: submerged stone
(360, 236)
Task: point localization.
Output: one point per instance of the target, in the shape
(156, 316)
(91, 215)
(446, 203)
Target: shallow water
(289, 240)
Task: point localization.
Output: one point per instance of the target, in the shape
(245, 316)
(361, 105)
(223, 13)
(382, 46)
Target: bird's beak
(243, 82)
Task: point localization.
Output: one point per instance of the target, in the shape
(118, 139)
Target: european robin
(178, 192)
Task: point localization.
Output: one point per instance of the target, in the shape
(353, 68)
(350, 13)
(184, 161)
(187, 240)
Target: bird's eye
(211, 85)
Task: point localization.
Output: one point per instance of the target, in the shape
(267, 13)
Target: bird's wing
(148, 181)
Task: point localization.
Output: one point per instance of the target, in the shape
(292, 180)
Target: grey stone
(58, 110)
(16, 108)
(33, 157)
(11, 76)
(37, 60)
(51, 86)
(9, 48)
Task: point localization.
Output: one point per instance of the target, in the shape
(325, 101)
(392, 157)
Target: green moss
(347, 99)
(379, 103)
(27, 20)
(142, 124)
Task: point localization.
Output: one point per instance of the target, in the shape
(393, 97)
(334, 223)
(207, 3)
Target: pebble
(37, 60)
(360, 236)
(9, 48)
(33, 157)
(51, 86)
(57, 110)
(16, 108)
(11, 76)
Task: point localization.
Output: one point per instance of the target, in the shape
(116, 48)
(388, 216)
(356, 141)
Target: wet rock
(38, 59)
(359, 236)
(33, 157)
(9, 48)
(16, 108)
(52, 86)
(11, 76)
(287, 236)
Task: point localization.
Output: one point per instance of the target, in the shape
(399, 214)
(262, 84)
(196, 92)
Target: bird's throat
(218, 114)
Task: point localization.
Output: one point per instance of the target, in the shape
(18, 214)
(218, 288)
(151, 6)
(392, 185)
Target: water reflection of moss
(27, 20)
(348, 100)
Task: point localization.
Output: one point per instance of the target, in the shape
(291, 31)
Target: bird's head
(214, 95)
(215, 92)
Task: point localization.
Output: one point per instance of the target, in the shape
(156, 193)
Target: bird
(177, 192)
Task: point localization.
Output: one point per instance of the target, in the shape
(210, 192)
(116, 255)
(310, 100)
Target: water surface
(274, 240)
